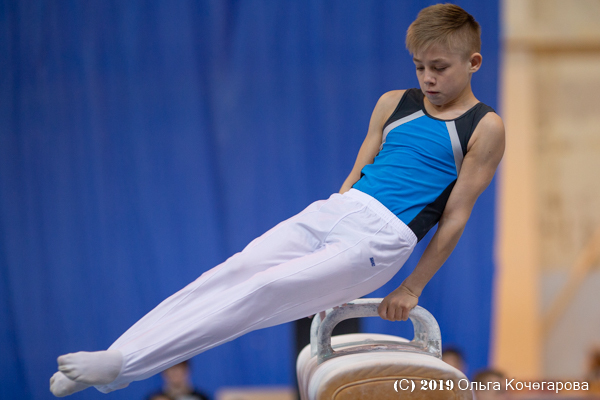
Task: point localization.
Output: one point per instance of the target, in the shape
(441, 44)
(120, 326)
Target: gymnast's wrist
(411, 290)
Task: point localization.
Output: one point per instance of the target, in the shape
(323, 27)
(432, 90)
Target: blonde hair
(447, 25)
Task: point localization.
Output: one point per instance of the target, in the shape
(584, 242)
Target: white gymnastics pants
(334, 251)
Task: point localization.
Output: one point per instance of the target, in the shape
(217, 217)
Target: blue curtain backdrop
(143, 142)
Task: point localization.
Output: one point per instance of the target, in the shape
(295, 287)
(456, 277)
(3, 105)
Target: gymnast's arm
(485, 151)
(383, 110)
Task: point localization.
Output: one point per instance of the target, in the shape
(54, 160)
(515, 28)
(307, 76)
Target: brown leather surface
(371, 375)
(383, 389)
(377, 382)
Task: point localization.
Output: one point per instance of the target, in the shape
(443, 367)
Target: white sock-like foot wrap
(61, 386)
(96, 368)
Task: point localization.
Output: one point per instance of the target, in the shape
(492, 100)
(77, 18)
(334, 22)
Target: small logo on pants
(372, 261)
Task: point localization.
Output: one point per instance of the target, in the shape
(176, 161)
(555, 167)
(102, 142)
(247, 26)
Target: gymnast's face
(445, 75)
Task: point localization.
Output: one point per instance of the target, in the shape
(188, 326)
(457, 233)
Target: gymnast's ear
(475, 62)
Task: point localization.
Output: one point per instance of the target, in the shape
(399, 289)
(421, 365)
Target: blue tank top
(419, 161)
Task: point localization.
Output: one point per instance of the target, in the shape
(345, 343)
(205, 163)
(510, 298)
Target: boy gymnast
(428, 154)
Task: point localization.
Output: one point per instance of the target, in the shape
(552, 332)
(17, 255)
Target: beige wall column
(517, 348)
(547, 317)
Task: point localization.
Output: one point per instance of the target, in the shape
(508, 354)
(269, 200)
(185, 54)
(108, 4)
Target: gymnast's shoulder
(391, 98)
(386, 104)
(490, 130)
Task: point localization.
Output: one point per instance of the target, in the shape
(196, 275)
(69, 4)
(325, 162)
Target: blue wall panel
(142, 143)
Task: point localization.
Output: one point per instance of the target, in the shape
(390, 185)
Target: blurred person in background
(177, 384)
(453, 356)
(159, 396)
(593, 375)
(495, 385)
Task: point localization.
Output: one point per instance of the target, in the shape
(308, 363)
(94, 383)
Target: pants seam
(342, 218)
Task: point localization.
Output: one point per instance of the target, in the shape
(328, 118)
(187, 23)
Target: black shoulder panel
(410, 102)
(466, 123)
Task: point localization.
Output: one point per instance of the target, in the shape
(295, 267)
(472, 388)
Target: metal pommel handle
(427, 339)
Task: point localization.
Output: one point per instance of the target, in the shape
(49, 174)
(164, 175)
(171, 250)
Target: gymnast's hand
(396, 305)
